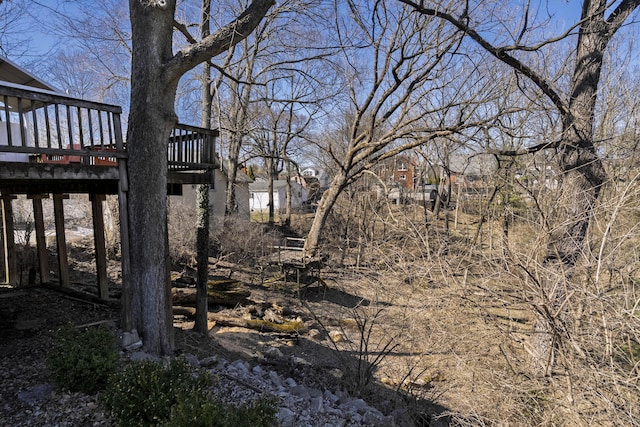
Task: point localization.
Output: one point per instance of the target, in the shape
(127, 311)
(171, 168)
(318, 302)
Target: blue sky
(569, 10)
(43, 41)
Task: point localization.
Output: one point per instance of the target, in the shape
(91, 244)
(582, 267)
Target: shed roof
(12, 73)
(262, 186)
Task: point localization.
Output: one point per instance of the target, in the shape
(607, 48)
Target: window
(402, 166)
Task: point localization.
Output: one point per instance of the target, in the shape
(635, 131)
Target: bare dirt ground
(337, 314)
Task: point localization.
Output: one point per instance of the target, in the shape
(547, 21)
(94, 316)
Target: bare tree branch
(214, 44)
(498, 52)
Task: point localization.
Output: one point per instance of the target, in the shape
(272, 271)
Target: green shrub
(148, 394)
(144, 393)
(197, 410)
(202, 411)
(260, 413)
(83, 360)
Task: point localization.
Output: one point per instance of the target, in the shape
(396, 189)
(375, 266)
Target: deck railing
(46, 127)
(42, 126)
(191, 146)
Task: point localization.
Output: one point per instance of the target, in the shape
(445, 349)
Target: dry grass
(463, 316)
(459, 306)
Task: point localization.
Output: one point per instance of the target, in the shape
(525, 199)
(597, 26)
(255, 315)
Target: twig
(99, 322)
(242, 382)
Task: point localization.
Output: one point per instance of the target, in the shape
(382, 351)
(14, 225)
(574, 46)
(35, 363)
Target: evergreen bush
(146, 393)
(83, 360)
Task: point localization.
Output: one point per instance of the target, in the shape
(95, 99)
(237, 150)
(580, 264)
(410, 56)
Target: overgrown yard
(414, 316)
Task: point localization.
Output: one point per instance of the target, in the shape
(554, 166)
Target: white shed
(259, 195)
(12, 75)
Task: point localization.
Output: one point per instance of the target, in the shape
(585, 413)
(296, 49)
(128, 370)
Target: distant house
(311, 185)
(319, 174)
(219, 194)
(399, 171)
(472, 175)
(259, 195)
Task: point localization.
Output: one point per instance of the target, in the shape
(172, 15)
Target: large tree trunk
(584, 174)
(239, 129)
(287, 214)
(235, 144)
(328, 200)
(202, 256)
(151, 119)
(270, 178)
(581, 181)
(155, 73)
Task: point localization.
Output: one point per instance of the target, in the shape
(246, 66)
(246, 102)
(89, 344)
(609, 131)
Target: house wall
(16, 141)
(399, 171)
(404, 172)
(298, 195)
(258, 201)
(217, 197)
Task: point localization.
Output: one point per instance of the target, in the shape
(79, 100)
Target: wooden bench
(291, 258)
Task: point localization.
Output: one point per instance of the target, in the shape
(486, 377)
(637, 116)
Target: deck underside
(35, 178)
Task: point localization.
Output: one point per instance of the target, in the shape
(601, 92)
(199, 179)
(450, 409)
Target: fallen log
(224, 292)
(287, 326)
(257, 324)
(184, 311)
(265, 325)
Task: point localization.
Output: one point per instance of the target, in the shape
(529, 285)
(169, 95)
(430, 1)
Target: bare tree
(405, 90)
(281, 45)
(582, 169)
(269, 142)
(72, 72)
(105, 54)
(155, 73)
(11, 42)
(244, 64)
(290, 103)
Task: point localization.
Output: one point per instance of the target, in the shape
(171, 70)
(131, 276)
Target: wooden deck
(52, 142)
(52, 145)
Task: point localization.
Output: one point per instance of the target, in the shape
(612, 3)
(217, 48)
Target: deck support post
(41, 242)
(9, 244)
(61, 241)
(99, 243)
(126, 315)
